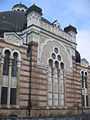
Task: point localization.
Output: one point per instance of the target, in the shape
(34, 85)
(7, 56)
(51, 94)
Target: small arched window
(62, 65)
(85, 79)
(6, 63)
(18, 9)
(57, 64)
(82, 78)
(14, 64)
(51, 63)
(22, 10)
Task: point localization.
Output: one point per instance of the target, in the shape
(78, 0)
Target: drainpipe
(30, 77)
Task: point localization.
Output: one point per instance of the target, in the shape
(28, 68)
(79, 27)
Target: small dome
(19, 7)
(84, 62)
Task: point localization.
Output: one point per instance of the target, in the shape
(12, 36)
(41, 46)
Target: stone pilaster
(1, 76)
(18, 81)
(9, 82)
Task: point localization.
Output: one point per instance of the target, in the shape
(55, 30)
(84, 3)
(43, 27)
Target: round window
(53, 55)
(56, 50)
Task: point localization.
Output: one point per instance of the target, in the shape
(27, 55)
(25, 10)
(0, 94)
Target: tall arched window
(85, 79)
(82, 78)
(50, 82)
(84, 96)
(55, 80)
(6, 63)
(11, 60)
(14, 64)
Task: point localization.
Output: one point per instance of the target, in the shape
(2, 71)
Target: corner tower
(19, 7)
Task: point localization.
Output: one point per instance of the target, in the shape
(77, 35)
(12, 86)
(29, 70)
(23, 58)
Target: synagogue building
(41, 71)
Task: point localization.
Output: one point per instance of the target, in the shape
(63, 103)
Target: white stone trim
(19, 55)
(3, 51)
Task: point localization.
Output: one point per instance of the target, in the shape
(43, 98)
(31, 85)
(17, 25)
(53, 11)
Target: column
(9, 82)
(1, 76)
(18, 80)
(55, 87)
(49, 86)
(61, 88)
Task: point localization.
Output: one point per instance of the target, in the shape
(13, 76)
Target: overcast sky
(75, 12)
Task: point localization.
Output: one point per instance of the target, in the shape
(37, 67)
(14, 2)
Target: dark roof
(34, 8)
(12, 21)
(46, 21)
(19, 5)
(70, 28)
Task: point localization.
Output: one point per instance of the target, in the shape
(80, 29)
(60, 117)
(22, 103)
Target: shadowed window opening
(62, 65)
(14, 65)
(57, 64)
(6, 63)
(13, 96)
(53, 55)
(4, 93)
(56, 50)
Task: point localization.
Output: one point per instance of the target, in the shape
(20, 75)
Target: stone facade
(48, 81)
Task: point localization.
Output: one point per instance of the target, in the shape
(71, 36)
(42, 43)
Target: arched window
(85, 79)
(55, 79)
(62, 65)
(10, 59)
(18, 9)
(22, 10)
(6, 63)
(82, 78)
(84, 88)
(50, 81)
(14, 64)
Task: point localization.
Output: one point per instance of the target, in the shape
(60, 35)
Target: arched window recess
(62, 65)
(55, 79)
(16, 62)
(6, 56)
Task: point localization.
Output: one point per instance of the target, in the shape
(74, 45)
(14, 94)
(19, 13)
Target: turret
(72, 31)
(19, 7)
(34, 14)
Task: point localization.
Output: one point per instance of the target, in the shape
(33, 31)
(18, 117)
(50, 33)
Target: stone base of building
(13, 112)
(40, 112)
(54, 112)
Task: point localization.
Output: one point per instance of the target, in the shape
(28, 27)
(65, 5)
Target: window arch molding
(5, 60)
(5, 49)
(55, 79)
(19, 55)
(84, 71)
